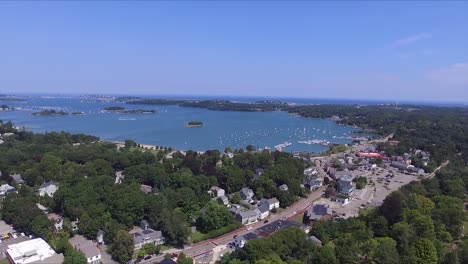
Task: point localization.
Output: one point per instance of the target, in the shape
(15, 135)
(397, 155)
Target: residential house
(310, 172)
(263, 211)
(146, 188)
(91, 253)
(5, 189)
(345, 187)
(283, 187)
(216, 191)
(414, 169)
(340, 174)
(235, 209)
(258, 173)
(342, 199)
(276, 226)
(48, 188)
(246, 194)
(75, 225)
(87, 247)
(100, 237)
(315, 240)
(146, 236)
(247, 217)
(270, 203)
(313, 184)
(17, 179)
(317, 212)
(57, 221)
(239, 241)
(219, 164)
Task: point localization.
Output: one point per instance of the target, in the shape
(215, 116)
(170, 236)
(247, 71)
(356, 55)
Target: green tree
(121, 249)
(386, 251)
(425, 252)
(184, 259)
(235, 198)
(74, 257)
(215, 216)
(325, 255)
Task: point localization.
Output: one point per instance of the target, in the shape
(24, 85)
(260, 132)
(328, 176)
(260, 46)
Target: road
(431, 175)
(206, 247)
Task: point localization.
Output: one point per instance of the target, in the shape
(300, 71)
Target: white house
(92, 254)
(246, 194)
(100, 237)
(270, 203)
(239, 241)
(57, 221)
(263, 211)
(147, 236)
(88, 248)
(216, 191)
(247, 217)
(5, 189)
(48, 188)
(342, 199)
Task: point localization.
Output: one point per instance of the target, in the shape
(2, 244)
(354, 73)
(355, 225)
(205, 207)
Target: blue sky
(394, 50)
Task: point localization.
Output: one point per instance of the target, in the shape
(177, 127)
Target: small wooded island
(195, 124)
(50, 113)
(6, 108)
(122, 110)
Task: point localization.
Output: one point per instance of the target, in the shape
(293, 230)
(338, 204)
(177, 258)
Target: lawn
(298, 218)
(197, 236)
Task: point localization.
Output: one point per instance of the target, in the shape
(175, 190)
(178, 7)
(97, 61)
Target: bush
(218, 232)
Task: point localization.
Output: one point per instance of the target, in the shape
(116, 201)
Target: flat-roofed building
(33, 251)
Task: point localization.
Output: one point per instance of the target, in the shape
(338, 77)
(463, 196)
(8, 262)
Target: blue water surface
(168, 128)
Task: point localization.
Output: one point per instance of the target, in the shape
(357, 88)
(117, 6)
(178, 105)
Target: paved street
(200, 250)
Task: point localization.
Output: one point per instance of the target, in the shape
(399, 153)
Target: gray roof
(276, 226)
(55, 259)
(90, 251)
(148, 234)
(248, 214)
(249, 236)
(317, 211)
(263, 207)
(246, 193)
(168, 261)
(315, 240)
(47, 184)
(17, 178)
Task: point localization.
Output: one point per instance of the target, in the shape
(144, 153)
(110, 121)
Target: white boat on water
(127, 118)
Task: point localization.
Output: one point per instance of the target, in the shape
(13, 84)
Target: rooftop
(276, 226)
(30, 251)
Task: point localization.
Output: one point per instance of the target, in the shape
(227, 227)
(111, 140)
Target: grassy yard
(298, 218)
(197, 236)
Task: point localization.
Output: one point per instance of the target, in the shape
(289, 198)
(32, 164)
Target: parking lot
(6, 242)
(380, 183)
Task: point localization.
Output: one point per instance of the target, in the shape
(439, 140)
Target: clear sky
(368, 50)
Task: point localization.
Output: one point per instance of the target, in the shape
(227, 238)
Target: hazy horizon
(382, 51)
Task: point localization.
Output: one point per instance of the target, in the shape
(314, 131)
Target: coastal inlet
(168, 125)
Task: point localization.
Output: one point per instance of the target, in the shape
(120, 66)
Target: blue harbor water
(168, 127)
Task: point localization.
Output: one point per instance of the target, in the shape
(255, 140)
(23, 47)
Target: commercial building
(33, 251)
